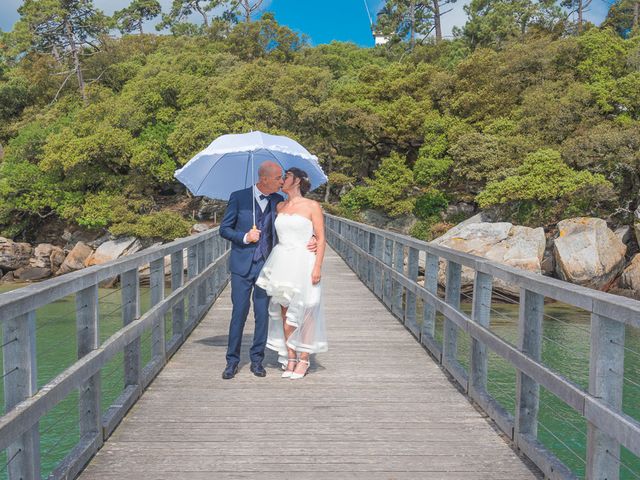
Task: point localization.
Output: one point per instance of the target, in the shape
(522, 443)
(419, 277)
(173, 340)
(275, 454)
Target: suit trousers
(241, 289)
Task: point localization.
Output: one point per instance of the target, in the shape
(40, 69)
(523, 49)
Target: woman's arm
(317, 218)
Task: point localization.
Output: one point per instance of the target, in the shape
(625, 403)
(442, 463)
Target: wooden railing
(26, 404)
(388, 264)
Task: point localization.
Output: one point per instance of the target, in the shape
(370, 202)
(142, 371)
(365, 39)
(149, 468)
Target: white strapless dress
(286, 277)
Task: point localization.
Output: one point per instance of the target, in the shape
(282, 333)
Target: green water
(565, 350)
(56, 351)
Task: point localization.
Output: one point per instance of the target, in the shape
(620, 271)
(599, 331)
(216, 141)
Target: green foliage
(157, 225)
(542, 181)
(408, 130)
(429, 204)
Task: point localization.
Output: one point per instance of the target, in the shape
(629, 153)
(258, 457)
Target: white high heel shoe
(288, 373)
(296, 376)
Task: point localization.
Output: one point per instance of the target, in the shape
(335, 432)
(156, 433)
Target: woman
(291, 276)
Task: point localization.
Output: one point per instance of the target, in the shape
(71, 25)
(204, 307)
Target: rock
(458, 209)
(588, 253)
(113, 249)
(374, 217)
(501, 242)
(548, 264)
(630, 278)
(8, 277)
(210, 210)
(90, 238)
(624, 233)
(48, 256)
(402, 224)
(75, 259)
(30, 274)
(200, 227)
(14, 255)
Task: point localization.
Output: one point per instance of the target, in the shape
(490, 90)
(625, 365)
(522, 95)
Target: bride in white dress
(291, 277)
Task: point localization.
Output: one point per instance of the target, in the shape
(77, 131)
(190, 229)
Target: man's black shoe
(258, 370)
(230, 371)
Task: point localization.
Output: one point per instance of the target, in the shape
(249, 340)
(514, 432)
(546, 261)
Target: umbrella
(231, 163)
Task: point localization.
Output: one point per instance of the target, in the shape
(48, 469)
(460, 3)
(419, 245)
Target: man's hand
(312, 246)
(253, 235)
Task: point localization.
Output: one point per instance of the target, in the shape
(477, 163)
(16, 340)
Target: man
(249, 250)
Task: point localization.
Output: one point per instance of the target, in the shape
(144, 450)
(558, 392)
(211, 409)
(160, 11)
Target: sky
(321, 20)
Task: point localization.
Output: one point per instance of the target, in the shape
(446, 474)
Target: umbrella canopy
(231, 163)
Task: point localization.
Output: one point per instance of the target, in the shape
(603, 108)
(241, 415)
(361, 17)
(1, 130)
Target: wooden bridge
(389, 400)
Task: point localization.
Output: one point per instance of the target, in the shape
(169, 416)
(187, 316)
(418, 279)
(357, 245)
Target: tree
(181, 9)
(131, 18)
(249, 8)
(62, 28)
(578, 7)
(402, 19)
(623, 17)
(491, 23)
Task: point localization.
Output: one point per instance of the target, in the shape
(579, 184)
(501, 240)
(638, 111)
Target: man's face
(273, 181)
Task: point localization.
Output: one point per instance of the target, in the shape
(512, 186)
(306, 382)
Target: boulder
(624, 233)
(31, 274)
(200, 227)
(75, 259)
(14, 255)
(402, 224)
(112, 249)
(501, 242)
(48, 256)
(374, 217)
(588, 253)
(630, 278)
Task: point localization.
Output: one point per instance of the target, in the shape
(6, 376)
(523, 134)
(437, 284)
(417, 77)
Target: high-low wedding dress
(286, 277)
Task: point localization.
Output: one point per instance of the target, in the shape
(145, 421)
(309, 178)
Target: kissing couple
(278, 262)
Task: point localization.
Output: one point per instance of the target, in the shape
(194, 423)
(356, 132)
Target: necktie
(262, 197)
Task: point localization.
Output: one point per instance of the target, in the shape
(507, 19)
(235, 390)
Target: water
(565, 349)
(56, 351)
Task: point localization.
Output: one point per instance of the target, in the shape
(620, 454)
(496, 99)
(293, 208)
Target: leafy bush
(161, 225)
(429, 204)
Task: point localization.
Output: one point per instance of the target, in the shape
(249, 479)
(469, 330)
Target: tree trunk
(76, 59)
(580, 8)
(636, 15)
(327, 191)
(412, 14)
(140, 27)
(437, 20)
(204, 15)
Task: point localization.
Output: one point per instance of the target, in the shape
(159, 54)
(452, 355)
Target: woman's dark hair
(305, 184)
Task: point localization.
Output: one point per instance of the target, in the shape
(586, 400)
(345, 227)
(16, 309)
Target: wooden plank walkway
(374, 407)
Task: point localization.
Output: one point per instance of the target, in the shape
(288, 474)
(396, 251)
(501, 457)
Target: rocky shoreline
(582, 251)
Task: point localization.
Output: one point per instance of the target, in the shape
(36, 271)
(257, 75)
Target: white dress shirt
(262, 202)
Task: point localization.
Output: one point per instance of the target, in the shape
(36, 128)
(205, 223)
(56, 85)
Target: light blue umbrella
(231, 163)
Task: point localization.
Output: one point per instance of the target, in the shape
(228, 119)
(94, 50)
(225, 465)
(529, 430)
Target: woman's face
(290, 182)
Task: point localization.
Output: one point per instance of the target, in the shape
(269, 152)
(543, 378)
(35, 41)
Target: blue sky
(322, 20)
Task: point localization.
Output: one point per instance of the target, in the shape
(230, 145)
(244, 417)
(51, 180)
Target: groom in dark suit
(249, 250)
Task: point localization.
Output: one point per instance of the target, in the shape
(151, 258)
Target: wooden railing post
(606, 367)
(450, 333)
(397, 288)
(378, 248)
(530, 343)
(431, 285)
(369, 242)
(157, 295)
(208, 260)
(192, 271)
(88, 340)
(411, 302)
(202, 288)
(177, 275)
(131, 311)
(20, 383)
(481, 314)
(387, 259)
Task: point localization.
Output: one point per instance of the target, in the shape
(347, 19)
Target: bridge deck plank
(374, 407)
